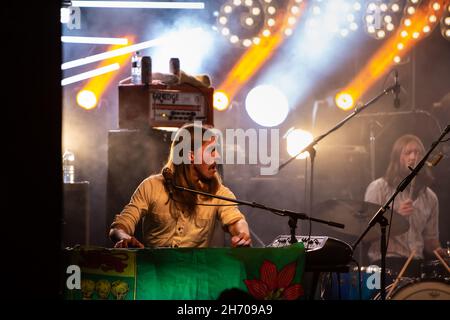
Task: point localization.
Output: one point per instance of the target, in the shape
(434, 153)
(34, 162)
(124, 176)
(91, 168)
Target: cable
(385, 79)
(390, 225)
(359, 278)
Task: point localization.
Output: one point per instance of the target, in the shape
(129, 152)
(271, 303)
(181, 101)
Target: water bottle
(68, 167)
(136, 65)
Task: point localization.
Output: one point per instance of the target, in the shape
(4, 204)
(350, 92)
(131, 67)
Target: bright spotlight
(86, 99)
(296, 140)
(221, 101)
(344, 101)
(266, 105)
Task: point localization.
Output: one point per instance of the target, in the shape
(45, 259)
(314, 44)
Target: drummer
(417, 203)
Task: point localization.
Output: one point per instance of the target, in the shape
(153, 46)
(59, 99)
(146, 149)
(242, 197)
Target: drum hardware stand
(382, 221)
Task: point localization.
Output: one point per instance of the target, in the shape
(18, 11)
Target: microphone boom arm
(357, 110)
(281, 212)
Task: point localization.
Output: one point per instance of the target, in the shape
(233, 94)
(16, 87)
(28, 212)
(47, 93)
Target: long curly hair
(183, 173)
(395, 172)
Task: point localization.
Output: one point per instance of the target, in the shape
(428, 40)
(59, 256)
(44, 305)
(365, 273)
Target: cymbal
(355, 215)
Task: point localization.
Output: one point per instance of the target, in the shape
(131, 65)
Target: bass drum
(410, 289)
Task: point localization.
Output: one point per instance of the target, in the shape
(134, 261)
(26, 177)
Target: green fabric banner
(187, 273)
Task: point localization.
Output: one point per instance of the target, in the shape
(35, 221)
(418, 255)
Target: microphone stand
(293, 216)
(382, 221)
(312, 151)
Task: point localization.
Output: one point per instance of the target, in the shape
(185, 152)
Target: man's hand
(240, 234)
(123, 239)
(406, 208)
(241, 240)
(131, 242)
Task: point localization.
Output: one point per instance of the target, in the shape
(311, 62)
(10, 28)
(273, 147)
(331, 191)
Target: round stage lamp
(86, 99)
(266, 105)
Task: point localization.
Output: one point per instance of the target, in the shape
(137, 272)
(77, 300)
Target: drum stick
(401, 273)
(436, 253)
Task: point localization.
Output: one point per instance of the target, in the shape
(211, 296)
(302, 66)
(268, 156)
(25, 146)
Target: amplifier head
(143, 106)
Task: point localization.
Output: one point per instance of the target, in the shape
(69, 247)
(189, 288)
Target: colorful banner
(188, 273)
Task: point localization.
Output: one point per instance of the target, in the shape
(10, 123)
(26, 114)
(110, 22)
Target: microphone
(168, 177)
(396, 90)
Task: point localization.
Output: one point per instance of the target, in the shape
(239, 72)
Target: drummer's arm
(431, 245)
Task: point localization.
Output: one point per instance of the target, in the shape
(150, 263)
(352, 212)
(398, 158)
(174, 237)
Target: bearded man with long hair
(417, 203)
(173, 218)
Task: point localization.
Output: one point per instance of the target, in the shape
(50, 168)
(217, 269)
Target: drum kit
(433, 283)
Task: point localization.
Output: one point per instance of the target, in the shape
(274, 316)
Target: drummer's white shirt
(423, 222)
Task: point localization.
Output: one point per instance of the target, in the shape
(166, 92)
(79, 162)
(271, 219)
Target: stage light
(344, 101)
(86, 99)
(445, 23)
(139, 4)
(266, 105)
(247, 42)
(288, 32)
(410, 10)
(221, 101)
(94, 40)
(90, 74)
(247, 20)
(395, 7)
(114, 53)
(416, 14)
(381, 18)
(296, 140)
(436, 6)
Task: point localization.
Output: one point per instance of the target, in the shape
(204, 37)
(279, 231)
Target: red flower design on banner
(275, 285)
(104, 260)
